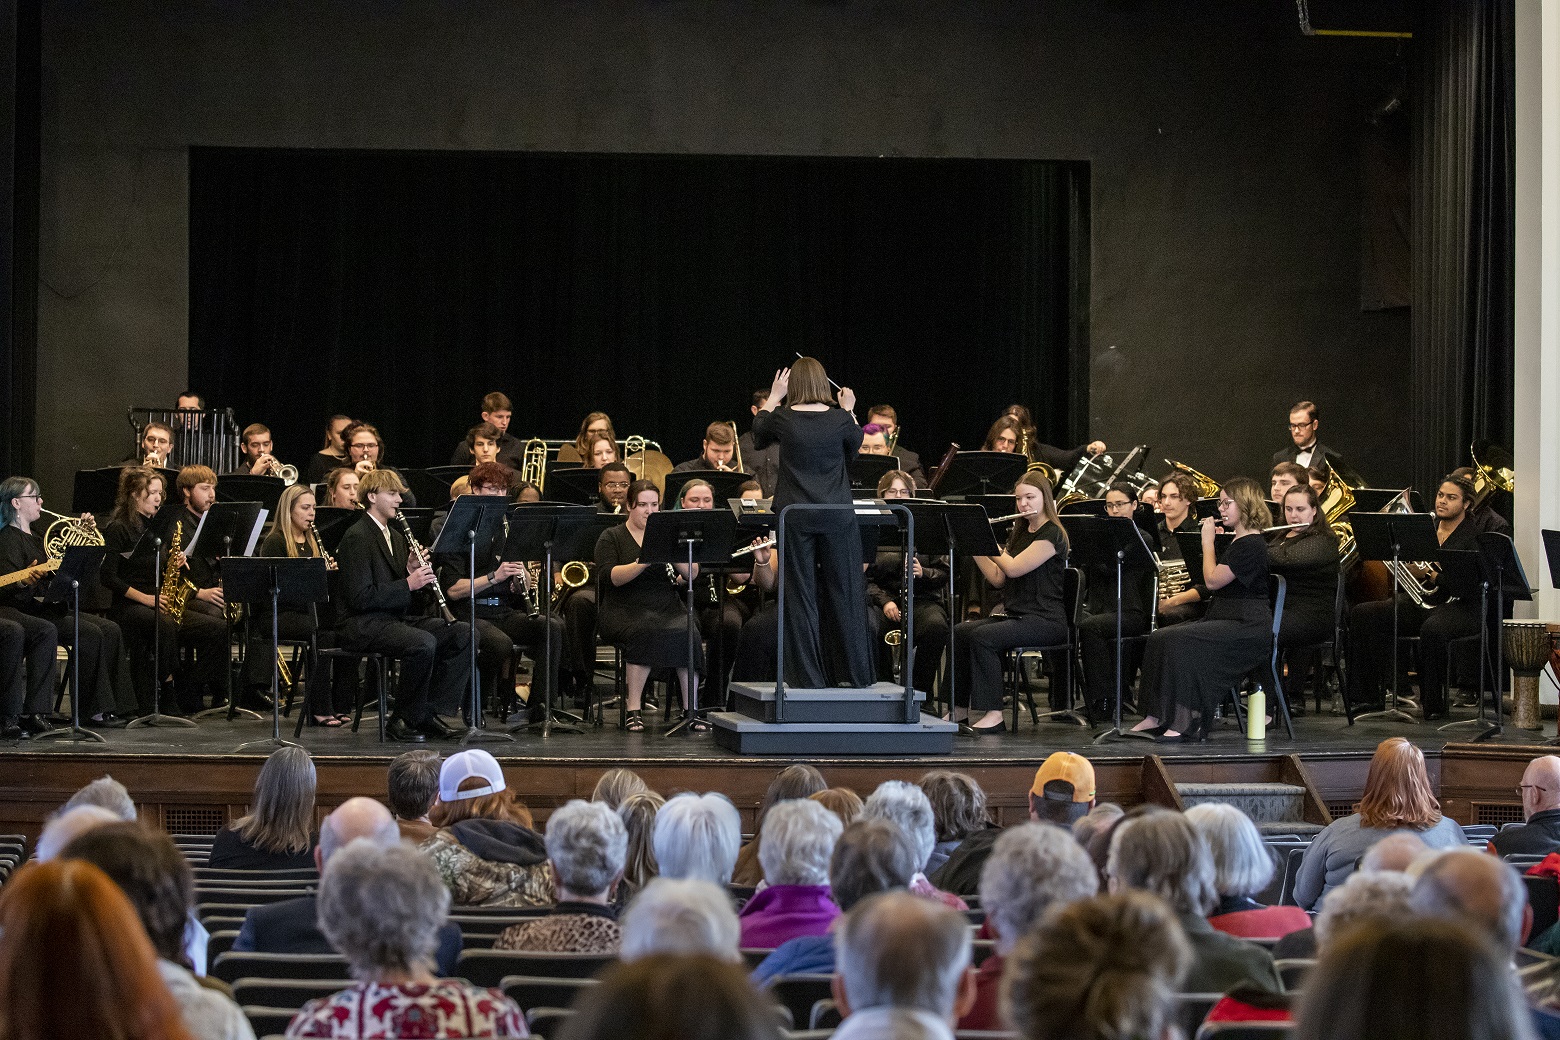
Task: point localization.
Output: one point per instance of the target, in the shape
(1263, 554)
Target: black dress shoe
(108, 721)
(10, 728)
(400, 729)
(32, 725)
(256, 699)
(435, 727)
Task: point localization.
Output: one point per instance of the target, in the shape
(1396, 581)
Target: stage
(191, 781)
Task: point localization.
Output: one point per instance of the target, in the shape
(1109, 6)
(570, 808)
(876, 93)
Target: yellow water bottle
(1256, 714)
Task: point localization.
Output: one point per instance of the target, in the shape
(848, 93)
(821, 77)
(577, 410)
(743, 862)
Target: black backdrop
(399, 287)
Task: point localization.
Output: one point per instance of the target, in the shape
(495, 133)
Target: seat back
(1192, 1008)
(1293, 973)
(825, 1014)
(1286, 895)
(284, 993)
(1544, 898)
(490, 967)
(536, 991)
(1245, 1030)
(1072, 596)
(230, 967)
(798, 993)
(269, 1022)
(547, 1022)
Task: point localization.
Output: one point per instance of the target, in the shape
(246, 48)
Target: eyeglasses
(1302, 425)
(1529, 787)
(38, 497)
(620, 485)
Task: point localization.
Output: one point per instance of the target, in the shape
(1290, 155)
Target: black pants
(722, 629)
(579, 631)
(1298, 631)
(499, 634)
(435, 664)
(756, 649)
(104, 670)
(931, 642)
(1097, 641)
(322, 695)
(27, 670)
(206, 634)
(822, 564)
(977, 654)
(1370, 647)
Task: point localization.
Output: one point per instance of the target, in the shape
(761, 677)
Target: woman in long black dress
(641, 608)
(1188, 669)
(822, 557)
(1029, 571)
(1307, 557)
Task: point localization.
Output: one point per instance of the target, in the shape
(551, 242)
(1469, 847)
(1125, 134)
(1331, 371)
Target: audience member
(1161, 853)
(885, 993)
(958, 808)
(586, 844)
(841, 801)
(1106, 968)
(484, 847)
(109, 793)
(697, 836)
(156, 878)
(1032, 869)
(616, 785)
(75, 961)
(1242, 868)
(1420, 980)
(795, 847)
(638, 813)
(907, 805)
(681, 916)
(65, 828)
(383, 908)
(413, 784)
(1391, 855)
(1397, 797)
(672, 997)
(794, 781)
(278, 832)
(871, 856)
(1100, 818)
(292, 925)
(1539, 834)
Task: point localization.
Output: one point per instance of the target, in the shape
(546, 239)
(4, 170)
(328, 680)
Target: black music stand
(1374, 500)
(94, 490)
(472, 518)
(250, 487)
(568, 482)
(1091, 507)
(1203, 508)
(1115, 542)
(1393, 536)
(230, 525)
(982, 472)
(78, 566)
(448, 475)
(951, 529)
(1190, 543)
(1463, 570)
(425, 488)
(689, 536)
(151, 544)
(331, 524)
(867, 470)
(726, 483)
(258, 579)
(538, 531)
(1498, 557)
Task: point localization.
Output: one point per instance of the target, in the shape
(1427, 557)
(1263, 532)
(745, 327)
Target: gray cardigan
(1331, 858)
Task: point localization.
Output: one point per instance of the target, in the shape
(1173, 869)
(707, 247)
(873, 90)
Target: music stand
(867, 470)
(472, 518)
(94, 490)
(1461, 571)
(258, 579)
(689, 536)
(251, 487)
(951, 529)
(1498, 557)
(1115, 542)
(332, 523)
(1392, 536)
(228, 524)
(982, 472)
(536, 530)
(1374, 500)
(425, 488)
(727, 484)
(448, 475)
(1090, 507)
(567, 482)
(151, 544)
(1203, 508)
(79, 565)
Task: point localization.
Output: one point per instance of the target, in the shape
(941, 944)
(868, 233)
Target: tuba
(1026, 448)
(1337, 499)
(1492, 472)
(65, 531)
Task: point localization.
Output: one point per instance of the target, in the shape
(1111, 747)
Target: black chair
(1293, 973)
(284, 993)
(269, 1022)
(1283, 876)
(1326, 651)
(536, 991)
(1544, 898)
(1192, 1008)
(1273, 678)
(825, 1014)
(547, 1022)
(230, 966)
(798, 993)
(490, 967)
(248, 896)
(220, 942)
(226, 910)
(380, 676)
(981, 949)
(223, 875)
(753, 956)
(1245, 1030)
(1072, 599)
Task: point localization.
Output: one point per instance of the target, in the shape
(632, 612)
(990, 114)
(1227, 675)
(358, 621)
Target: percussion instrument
(1526, 645)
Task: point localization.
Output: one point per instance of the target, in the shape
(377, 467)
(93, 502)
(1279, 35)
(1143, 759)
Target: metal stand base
(73, 734)
(1396, 714)
(1117, 733)
(159, 719)
(227, 712)
(477, 735)
(270, 742)
(1067, 714)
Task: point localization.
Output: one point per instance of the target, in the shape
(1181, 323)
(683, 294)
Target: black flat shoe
(10, 729)
(400, 729)
(1000, 727)
(33, 725)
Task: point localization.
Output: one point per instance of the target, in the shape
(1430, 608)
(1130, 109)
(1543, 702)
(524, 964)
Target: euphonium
(1207, 487)
(1419, 587)
(571, 575)
(1492, 472)
(65, 531)
(1026, 448)
(1337, 500)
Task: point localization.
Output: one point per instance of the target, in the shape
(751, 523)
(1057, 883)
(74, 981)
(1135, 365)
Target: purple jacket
(783, 912)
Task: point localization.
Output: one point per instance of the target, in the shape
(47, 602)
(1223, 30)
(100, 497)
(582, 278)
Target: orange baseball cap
(1070, 768)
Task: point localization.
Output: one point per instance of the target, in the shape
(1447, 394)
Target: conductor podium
(771, 718)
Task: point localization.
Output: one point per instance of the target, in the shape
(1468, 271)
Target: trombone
(737, 457)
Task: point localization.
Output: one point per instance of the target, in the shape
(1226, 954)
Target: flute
(1011, 516)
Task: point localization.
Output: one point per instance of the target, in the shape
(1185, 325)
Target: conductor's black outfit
(822, 558)
(379, 613)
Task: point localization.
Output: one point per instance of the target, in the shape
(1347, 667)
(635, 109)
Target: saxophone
(176, 588)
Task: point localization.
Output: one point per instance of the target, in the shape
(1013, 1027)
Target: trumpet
(755, 547)
(422, 561)
(363, 466)
(154, 460)
(288, 472)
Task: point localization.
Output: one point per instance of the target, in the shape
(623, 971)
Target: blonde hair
(638, 812)
(290, 534)
(809, 383)
(379, 480)
(1251, 500)
(1397, 789)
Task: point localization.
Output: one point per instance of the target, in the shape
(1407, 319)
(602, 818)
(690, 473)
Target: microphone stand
(157, 718)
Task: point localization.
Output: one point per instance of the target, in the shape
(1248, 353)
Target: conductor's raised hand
(778, 386)
(847, 398)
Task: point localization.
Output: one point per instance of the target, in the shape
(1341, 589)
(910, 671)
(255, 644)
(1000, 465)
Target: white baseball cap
(464, 765)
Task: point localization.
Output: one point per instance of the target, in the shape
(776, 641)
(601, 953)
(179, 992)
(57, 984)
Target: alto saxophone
(176, 588)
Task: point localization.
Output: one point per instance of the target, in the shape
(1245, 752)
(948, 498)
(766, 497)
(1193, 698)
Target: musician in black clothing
(886, 417)
(156, 448)
(1304, 449)
(822, 549)
(366, 452)
(578, 605)
(885, 594)
(496, 412)
(1177, 494)
(1097, 629)
(1483, 515)
(332, 454)
(1448, 614)
(1014, 432)
(715, 453)
(720, 616)
(381, 611)
(136, 585)
(28, 677)
(506, 602)
(763, 463)
(202, 568)
(1307, 558)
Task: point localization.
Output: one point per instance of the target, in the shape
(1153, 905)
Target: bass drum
(650, 464)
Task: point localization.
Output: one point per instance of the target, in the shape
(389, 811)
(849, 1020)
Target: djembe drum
(1526, 646)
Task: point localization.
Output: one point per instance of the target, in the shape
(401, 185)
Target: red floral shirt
(447, 1008)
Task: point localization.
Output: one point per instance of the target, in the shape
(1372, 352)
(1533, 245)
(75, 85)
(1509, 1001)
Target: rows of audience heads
(1097, 917)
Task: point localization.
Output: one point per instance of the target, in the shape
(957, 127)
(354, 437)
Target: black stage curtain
(399, 287)
(1464, 212)
(20, 112)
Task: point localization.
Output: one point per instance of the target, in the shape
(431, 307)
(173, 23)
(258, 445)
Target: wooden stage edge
(198, 792)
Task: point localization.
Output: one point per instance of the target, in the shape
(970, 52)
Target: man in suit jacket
(377, 577)
(886, 417)
(292, 926)
(1305, 449)
(1539, 833)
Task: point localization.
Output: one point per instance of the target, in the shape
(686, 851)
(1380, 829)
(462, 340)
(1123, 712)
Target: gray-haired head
(412, 783)
(68, 826)
(353, 819)
(586, 844)
(1096, 821)
(683, 916)
(1032, 867)
(1366, 896)
(1242, 864)
(108, 793)
(698, 836)
(871, 954)
(1394, 852)
(1162, 854)
(871, 856)
(907, 805)
(797, 841)
(382, 907)
(1477, 889)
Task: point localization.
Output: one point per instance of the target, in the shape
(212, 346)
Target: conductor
(822, 549)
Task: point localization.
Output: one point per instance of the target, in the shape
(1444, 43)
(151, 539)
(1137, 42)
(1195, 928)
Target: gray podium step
(748, 736)
(880, 702)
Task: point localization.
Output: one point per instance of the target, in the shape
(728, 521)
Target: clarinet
(329, 562)
(422, 561)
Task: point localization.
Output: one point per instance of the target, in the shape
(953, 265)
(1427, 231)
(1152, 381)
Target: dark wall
(1223, 149)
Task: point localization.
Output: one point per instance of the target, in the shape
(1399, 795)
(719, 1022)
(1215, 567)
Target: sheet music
(254, 535)
(189, 547)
